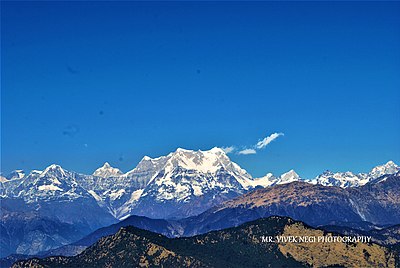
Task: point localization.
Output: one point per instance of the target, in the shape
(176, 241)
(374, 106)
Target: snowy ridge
(169, 184)
(269, 179)
(350, 179)
(342, 179)
(328, 178)
(181, 177)
(53, 183)
(388, 168)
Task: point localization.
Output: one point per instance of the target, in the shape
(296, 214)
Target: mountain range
(368, 209)
(233, 247)
(181, 184)
(193, 191)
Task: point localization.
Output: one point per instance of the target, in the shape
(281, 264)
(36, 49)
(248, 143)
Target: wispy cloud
(267, 140)
(260, 145)
(229, 149)
(247, 151)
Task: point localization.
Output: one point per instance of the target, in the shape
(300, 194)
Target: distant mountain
(234, 247)
(190, 182)
(342, 179)
(181, 184)
(107, 171)
(374, 205)
(21, 230)
(389, 168)
(75, 245)
(328, 178)
(168, 228)
(55, 193)
(377, 202)
(270, 179)
(57, 200)
(349, 179)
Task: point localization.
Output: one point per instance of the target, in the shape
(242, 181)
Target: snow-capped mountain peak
(268, 180)
(53, 183)
(341, 179)
(184, 175)
(350, 179)
(217, 150)
(288, 177)
(181, 183)
(179, 150)
(327, 173)
(266, 176)
(147, 169)
(107, 171)
(389, 168)
(53, 174)
(204, 161)
(53, 169)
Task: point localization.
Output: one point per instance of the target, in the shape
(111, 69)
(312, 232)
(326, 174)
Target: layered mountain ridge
(181, 184)
(133, 247)
(369, 210)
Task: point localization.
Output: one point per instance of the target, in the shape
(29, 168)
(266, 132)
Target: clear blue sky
(89, 82)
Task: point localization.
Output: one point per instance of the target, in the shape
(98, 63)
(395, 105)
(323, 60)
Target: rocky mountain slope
(377, 202)
(133, 247)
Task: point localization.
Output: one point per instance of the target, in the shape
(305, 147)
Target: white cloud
(267, 140)
(229, 149)
(261, 144)
(247, 151)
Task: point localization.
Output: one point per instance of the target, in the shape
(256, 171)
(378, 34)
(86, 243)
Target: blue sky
(89, 82)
